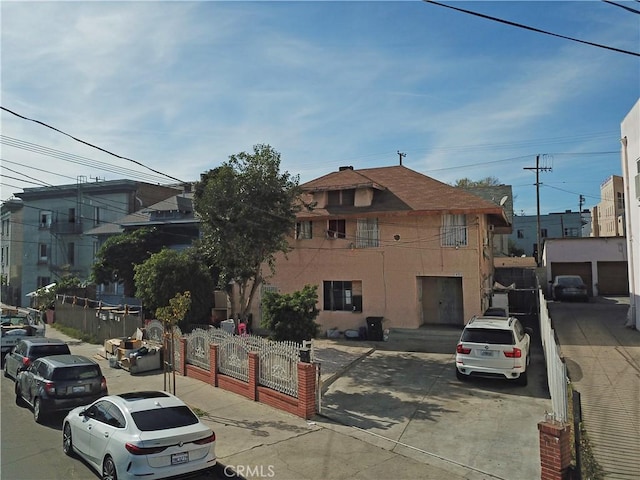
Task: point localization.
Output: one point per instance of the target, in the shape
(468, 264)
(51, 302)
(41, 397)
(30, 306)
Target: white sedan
(139, 435)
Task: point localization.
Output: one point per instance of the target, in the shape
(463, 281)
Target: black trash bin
(374, 329)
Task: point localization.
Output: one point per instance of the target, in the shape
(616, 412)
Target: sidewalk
(258, 441)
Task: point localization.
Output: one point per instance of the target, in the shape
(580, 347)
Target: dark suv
(30, 349)
(59, 383)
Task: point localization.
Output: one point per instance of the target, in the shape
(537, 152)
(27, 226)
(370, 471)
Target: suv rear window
(77, 372)
(161, 419)
(46, 350)
(488, 335)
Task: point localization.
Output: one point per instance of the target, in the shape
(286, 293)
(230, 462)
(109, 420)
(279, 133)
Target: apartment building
(608, 215)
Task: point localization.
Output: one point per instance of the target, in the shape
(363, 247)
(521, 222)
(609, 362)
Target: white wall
(591, 249)
(630, 134)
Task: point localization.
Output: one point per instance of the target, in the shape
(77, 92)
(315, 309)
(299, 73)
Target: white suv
(494, 347)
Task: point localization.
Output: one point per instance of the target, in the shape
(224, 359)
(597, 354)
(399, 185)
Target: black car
(59, 383)
(30, 349)
(569, 287)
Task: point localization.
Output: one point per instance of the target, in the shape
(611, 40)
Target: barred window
(303, 230)
(367, 233)
(454, 231)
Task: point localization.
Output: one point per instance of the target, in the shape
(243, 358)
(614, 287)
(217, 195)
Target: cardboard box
(111, 346)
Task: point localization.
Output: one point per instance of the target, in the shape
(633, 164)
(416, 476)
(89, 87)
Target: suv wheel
(38, 413)
(19, 400)
(460, 376)
(522, 379)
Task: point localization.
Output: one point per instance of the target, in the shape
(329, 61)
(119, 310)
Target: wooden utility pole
(537, 168)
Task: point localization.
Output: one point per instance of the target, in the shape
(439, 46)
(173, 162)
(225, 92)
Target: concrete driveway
(603, 360)
(411, 403)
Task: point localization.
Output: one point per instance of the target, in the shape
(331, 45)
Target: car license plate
(486, 353)
(77, 389)
(177, 458)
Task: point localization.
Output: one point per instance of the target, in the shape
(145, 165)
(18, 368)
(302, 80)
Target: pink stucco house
(390, 242)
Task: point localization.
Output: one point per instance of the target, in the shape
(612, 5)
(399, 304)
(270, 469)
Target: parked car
(569, 287)
(494, 347)
(59, 383)
(30, 349)
(139, 435)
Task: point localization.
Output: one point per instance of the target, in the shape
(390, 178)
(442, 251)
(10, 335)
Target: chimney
(348, 167)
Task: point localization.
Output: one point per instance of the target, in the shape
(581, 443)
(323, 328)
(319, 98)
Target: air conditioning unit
(332, 235)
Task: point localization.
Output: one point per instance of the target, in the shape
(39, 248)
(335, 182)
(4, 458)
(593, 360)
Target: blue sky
(180, 86)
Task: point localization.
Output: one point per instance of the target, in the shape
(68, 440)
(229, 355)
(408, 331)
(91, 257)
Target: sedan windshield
(164, 418)
(571, 281)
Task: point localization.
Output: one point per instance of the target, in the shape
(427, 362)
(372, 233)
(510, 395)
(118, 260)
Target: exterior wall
(13, 250)
(94, 204)
(610, 209)
(557, 225)
(390, 273)
(592, 250)
(630, 129)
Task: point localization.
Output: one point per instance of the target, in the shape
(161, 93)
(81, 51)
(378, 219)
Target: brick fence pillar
(306, 390)
(254, 373)
(555, 450)
(213, 363)
(181, 367)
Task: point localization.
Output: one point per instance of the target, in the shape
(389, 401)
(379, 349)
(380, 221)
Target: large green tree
(169, 272)
(247, 208)
(119, 254)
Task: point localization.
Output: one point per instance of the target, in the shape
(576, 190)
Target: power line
(624, 7)
(89, 144)
(533, 29)
(72, 158)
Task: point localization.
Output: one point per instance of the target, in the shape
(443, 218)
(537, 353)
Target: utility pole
(538, 168)
(401, 155)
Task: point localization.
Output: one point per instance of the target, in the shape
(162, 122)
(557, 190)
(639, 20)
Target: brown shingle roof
(402, 190)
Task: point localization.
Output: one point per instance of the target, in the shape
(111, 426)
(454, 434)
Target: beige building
(393, 243)
(608, 215)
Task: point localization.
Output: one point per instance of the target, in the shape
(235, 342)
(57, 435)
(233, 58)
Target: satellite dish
(503, 200)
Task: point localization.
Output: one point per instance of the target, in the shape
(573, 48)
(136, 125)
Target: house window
(45, 219)
(367, 234)
(620, 197)
(520, 233)
(543, 232)
(339, 295)
(454, 231)
(71, 253)
(571, 232)
(303, 230)
(43, 281)
(341, 197)
(337, 229)
(72, 215)
(96, 216)
(43, 250)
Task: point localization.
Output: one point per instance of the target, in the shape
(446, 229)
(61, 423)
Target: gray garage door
(613, 278)
(574, 268)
